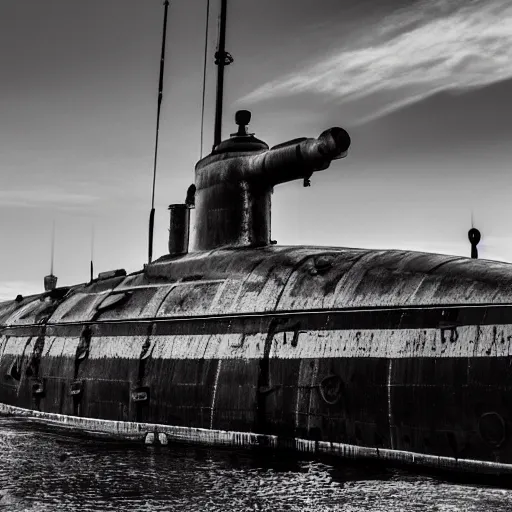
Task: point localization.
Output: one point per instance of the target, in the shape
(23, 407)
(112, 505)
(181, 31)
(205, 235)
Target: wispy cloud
(437, 45)
(40, 197)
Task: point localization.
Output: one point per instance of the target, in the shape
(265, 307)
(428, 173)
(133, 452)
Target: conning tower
(235, 182)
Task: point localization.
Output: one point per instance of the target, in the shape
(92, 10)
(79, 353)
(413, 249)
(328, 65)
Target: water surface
(46, 471)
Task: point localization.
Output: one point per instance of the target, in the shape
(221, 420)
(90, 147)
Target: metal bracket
(38, 387)
(76, 388)
(140, 394)
(266, 390)
(228, 59)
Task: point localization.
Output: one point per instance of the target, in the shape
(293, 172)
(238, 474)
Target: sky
(423, 87)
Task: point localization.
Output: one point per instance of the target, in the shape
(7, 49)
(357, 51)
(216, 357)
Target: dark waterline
(45, 471)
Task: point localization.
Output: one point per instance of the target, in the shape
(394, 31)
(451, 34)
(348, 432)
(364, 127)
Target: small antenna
(50, 281)
(474, 237)
(53, 248)
(92, 252)
(160, 94)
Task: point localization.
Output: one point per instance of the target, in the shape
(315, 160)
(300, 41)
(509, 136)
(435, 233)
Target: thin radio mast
(222, 59)
(53, 248)
(160, 93)
(92, 253)
(50, 281)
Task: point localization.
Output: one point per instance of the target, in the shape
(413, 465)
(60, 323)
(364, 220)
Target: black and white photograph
(256, 255)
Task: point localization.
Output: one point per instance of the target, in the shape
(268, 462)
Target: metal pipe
(179, 228)
(296, 159)
(299, 159)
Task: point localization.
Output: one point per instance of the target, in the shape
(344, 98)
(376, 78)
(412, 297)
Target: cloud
(40, 197)
(437, 45)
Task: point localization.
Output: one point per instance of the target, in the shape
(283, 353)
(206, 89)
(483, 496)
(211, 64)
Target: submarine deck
(273, 279)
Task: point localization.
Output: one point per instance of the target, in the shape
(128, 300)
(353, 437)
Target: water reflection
(42, 471)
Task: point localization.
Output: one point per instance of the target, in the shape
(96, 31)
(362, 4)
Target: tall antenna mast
(222, 59)
(160, 94)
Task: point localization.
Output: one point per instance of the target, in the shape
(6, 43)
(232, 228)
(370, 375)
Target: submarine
(232, 340)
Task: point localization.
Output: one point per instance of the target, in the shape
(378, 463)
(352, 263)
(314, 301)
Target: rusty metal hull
(375, 354)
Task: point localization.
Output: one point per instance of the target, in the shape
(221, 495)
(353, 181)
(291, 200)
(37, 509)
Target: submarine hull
(418, 382)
